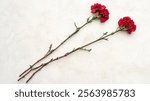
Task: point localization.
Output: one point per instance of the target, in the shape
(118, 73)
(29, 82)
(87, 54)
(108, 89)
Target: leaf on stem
(49, 50)
(88, 19)
(105, 39)
(75, 25)
(84, 49)
(50, 47)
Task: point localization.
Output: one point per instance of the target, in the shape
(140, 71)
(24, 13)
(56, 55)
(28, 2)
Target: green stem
(103, 37)
(23, 74)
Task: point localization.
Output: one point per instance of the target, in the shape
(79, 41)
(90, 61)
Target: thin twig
(50, 51)
(26, 73)
(34, 74)
(103, 37)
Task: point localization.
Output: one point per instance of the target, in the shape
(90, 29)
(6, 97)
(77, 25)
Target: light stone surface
(28, 27)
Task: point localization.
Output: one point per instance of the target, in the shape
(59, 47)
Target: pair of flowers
(126, 22)
(99, 12)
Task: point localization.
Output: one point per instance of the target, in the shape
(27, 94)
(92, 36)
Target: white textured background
(27, 27)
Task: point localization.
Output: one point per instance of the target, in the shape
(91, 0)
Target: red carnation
(128, 24)
(103, 13)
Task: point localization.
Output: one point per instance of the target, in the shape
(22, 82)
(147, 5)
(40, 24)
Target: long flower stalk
(99, 12)
(50, 51)
(38, 68)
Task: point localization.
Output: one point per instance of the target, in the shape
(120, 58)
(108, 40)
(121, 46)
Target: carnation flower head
(127, 23)
(101, 11)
